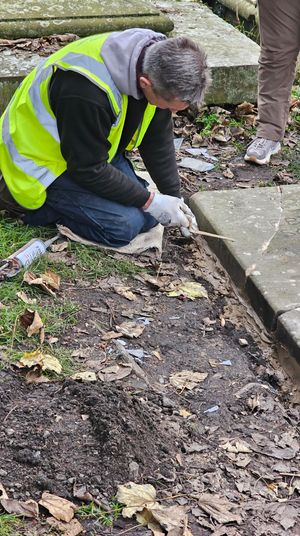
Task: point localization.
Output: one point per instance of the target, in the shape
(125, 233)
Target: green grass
(265, 184)
(239, 146)
(292, 154)
(296, 92)
(207, 121)
(250, 29)
(93, 263)
(9, 525)
(92, 511)
(61, 353)
(57, 313)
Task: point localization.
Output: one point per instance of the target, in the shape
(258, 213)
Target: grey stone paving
(264, 260)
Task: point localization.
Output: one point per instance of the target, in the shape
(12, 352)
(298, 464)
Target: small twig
(174, 497)
(130, 529)
(111, 312)
(13, 334)
(125, 356)
(213, 235)
(13, 409)
(158, 271)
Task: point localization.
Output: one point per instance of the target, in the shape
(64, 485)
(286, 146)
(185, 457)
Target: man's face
(174, 105)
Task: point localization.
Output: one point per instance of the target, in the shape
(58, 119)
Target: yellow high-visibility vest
(30, 155)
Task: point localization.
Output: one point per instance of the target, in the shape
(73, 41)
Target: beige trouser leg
(280, 44)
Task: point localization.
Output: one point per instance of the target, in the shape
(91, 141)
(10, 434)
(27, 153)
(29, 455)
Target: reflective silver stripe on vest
(98, 69)
(40, 173)
(41, 112)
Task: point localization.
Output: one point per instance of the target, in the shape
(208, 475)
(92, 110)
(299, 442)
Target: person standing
(279, 25)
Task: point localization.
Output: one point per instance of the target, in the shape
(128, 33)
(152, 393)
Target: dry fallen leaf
(49, 281)
(140, 501)
(60, 246)
(218, 508)
(125, 292)
(228, 174)
(86, 376)
(115, 372)
(285, 514)
(26, 509)
(60, 508)
(111, 335)
(3, 494)
(31, 322)
(145, 518)
(184, 413)
(244, 108)
(35, 376)
(187, 379)
(188, 289)
(237, 447)
(23, 296)
(156, 354)
(147, 278)
(169, 518)
(37, 358)
(130, 329)
(67, 529)
(136, 497)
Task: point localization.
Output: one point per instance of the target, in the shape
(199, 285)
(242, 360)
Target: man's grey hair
(177, 68)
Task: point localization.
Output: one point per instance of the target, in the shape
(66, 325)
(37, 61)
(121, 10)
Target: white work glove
(169, 211)
(192, 226)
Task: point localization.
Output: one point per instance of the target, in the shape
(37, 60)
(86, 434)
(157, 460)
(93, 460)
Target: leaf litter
(49, 282)
(40, 360)
(140, 500)
(187, 379)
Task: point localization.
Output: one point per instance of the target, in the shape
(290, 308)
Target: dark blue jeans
(90, 216)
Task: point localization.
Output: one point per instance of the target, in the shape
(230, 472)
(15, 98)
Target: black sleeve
(158, 153)
(84, 118)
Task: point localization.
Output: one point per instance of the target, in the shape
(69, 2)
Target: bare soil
(60, 436)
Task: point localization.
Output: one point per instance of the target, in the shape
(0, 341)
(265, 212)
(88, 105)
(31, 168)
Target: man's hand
(169, 211)
(192, 226)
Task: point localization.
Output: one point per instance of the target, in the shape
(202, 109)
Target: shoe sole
(264, 161)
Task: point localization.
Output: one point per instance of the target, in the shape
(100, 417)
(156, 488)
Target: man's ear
(144, 82)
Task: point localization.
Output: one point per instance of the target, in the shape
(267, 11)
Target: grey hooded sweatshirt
(84, 119)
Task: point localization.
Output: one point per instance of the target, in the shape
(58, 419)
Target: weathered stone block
(34, 18)
(232, 56)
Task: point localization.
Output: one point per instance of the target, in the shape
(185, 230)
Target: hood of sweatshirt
(120, 53)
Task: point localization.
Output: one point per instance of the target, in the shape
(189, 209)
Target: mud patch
(58, 434)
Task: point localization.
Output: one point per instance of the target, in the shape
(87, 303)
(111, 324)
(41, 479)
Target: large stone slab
(232, 56)
(31, 18)
(14, 66)
(264, 259)
(34, 18)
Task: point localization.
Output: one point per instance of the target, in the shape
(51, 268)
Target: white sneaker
(261, 150)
